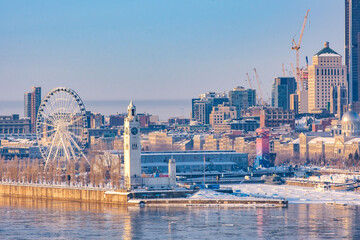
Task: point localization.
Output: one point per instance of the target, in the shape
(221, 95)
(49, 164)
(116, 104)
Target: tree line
(100, 172)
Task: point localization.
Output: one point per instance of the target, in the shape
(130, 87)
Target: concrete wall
(63, 193)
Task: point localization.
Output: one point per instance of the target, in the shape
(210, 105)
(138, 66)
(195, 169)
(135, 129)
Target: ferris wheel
(61, 127)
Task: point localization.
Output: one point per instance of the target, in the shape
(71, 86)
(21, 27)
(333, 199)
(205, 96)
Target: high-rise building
(338, 100)
(327, 70)
(294, 102)
(281, 90)
(32, 101)
(202, 106)
(302, 95)
(352, 44)
(27, 105)
(242, 98)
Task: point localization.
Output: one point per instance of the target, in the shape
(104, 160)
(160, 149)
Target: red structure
(262, 147)
(144, 119)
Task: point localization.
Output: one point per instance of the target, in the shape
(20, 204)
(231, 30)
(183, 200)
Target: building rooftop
(327, 51)
(326, 140)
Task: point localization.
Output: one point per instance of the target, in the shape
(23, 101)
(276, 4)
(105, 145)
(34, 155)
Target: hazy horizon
(162, 108)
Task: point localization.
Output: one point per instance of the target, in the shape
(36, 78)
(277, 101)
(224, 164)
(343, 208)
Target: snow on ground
(336, 178)
(211, 194)
(296, 194)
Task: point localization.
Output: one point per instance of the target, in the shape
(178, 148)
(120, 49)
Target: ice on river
(296, 194)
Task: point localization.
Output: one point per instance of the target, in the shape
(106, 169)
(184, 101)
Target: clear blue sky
(145, 49)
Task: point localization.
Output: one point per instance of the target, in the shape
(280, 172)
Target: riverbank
(138, 198)
(64, 193)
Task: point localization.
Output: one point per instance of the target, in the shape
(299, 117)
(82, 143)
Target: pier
(246, 202)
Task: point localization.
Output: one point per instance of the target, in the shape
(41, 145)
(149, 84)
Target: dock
(245, 202)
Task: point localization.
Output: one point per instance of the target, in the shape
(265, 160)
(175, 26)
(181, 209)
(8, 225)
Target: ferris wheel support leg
(57, 148)
(52, 145)
(67, 138)
(79, 149)
(65, 150)
(85, 157)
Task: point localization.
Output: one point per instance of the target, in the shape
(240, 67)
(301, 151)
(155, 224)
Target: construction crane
(283, 68)
(249, 80)
(258, 83)
(293, 70)
(296, 46)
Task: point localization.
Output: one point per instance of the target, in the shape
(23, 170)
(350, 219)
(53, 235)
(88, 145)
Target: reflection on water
(28, 218)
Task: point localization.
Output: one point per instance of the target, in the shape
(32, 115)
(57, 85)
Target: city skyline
(138, 50)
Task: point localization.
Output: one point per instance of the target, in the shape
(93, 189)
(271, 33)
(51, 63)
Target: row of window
(11, 130)
(330, 71)
(280, 117)
(328, 60)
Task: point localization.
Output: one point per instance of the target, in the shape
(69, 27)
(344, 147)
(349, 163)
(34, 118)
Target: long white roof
(354, 140)
(325, 140)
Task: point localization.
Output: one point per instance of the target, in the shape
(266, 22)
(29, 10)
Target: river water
(24, 218)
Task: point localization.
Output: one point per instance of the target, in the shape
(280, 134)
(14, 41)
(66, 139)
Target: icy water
(39, 219)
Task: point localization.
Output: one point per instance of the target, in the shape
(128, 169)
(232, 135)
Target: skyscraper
(338, 100)
(352, 43)
(327, 70)
(281, 90)
(32, 102)
(242, 98)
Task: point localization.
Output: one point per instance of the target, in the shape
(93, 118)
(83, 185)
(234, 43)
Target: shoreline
(124, 198)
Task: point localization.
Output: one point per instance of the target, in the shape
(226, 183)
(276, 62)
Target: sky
(142, 49)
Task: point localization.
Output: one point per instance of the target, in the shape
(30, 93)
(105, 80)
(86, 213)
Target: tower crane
(293, 70)
(283, 68)
(296, 46)
(249, 80)
(258, 83)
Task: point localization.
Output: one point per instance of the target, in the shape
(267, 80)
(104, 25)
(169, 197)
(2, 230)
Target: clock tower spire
(132, 149)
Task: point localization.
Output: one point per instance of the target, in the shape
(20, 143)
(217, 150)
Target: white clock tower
(132, 149)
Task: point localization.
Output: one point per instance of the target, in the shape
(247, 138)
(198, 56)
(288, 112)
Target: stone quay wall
(63, 193)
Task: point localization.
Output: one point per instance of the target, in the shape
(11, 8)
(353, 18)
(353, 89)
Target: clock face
(134, 131)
